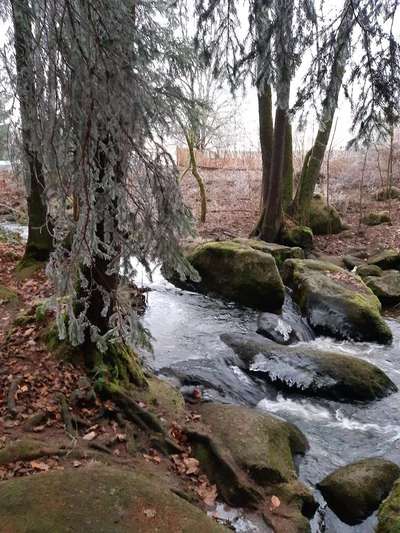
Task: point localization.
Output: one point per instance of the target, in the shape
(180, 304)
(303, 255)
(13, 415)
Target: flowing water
(186, 327)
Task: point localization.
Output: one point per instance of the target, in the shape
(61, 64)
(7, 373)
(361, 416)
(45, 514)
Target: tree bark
(311, 171)
(39, 244)
(287, 177)
(266, 129)
(271, 222)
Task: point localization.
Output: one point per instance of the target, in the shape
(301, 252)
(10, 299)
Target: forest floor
(37, 388)
(233, 207)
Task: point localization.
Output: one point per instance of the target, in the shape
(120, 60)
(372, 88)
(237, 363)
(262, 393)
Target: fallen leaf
(36, 465)
(192, 465)
(90, 436)
(275, 502)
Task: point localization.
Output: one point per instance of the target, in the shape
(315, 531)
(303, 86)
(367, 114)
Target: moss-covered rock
(238, 272)
(310, 371)
(365, 270)
(389, 512)
(27, 267)
(246, 448)
(386, 287)
(375, 218)
(162, 397)
(301, 236)
(385, 193)
(7, 295)
(279, 252)
(260, 443)
(351, 261)
(335, 301)
(355, 491)
(96, 500)
(324, 219)
(386, 259)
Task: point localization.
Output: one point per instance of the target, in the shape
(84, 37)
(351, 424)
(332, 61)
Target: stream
(186, 327)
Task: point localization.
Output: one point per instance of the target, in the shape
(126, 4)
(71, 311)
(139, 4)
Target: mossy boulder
(386, 259)
(27, 267)
(310, 371)
(365, 270)
(238, 272)
(300, 236)
(324, 219)
(351, 261)
(162, 397)
(279, 252)
(96, 500)
(355, 491)
(335, 301)
(386, 287)
(375, 218)
(7, 295)
(389, 512)
(386, 193)
(248, 448)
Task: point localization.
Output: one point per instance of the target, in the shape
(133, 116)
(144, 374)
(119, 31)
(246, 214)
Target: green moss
(336, 301)
(355, 491)
(27, 267)
(7, 295)
(97, 500)
(324, 219)
(386, 259)
(300, 236)
(240, 273)
(389, 512)
(375, 218)
(368, 270)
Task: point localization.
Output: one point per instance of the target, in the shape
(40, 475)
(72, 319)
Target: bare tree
(39, 243)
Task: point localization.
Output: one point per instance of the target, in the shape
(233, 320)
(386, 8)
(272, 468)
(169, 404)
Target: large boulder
(389, 512)
(364, 270)
(386, 193)
(301, 236)
(386, 287)
(355, 491)
(238, 272)
(324, 219)
(250, 454)
(375, 218)
(335, 301)
(279, 252)
(386, 259)
(310, 371)
(96, 500)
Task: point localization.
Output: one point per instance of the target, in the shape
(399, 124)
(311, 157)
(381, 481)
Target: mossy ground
(97, 500)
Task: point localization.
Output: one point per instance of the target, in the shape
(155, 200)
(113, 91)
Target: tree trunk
(313, 164)
(39, 244)
(199, 179)
(266, 127)
(287, 177)
(272, 213)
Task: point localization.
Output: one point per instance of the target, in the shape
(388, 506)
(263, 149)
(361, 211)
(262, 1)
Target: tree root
(133, 411)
